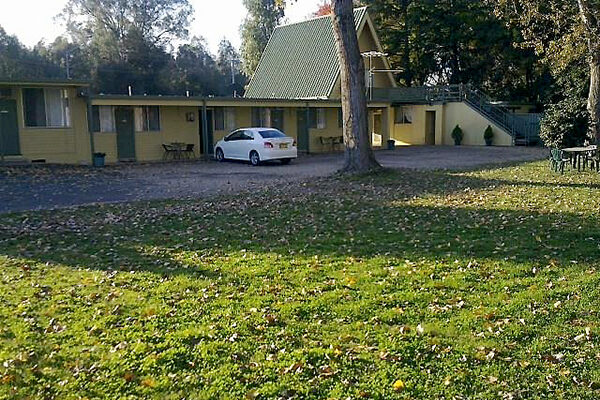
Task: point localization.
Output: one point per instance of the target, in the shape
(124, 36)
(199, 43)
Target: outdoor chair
(326, 142)
(338, 141)
(593, 158)
(558, 161)
(168, 150)
(189, 151)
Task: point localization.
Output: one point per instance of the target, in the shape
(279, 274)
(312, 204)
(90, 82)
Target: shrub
(565, 123)
(489, 133)
(457, 134)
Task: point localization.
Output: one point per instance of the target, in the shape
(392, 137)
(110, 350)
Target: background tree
(457, 41)
(555, 29)
(197, 70)
(359, 155)
(125, 42)
(18, 62)
(229, 64)
(263, 17)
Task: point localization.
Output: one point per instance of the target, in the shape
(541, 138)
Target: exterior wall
(174, 127)
(473, 125)
(56, 145)
(331, 130)
(414, 134)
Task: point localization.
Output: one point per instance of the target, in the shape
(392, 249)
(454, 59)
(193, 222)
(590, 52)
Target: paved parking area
(48, 187)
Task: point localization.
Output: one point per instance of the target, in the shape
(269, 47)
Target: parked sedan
(256, 145)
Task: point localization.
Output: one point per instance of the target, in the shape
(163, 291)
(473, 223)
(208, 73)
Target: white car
(256, 145)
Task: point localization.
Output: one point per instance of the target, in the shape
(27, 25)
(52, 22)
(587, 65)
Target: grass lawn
(422, 285)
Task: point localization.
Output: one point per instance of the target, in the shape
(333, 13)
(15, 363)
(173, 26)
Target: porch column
(90, 127)
(205, 146)
(386, 125)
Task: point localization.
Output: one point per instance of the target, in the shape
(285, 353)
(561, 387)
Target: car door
(231, 145)
(246, 144)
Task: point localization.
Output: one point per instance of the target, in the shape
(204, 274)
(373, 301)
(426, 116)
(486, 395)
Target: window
(271, 134)
(340, 118)
(317, 118)
(261, 117)
(103, 119)
(277, 119)
(48, 108)
(224, 119)
(403, 115)
(147, 119)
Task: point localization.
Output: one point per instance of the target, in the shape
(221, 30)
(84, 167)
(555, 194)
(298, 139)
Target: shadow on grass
(364, 217)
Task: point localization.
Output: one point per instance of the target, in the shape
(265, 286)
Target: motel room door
(124, 121)
(9, 128)
(207, 138)
(430, 128)
(302, 129)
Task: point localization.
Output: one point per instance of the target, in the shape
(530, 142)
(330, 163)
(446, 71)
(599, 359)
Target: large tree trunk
(589, 15)
(359, 155)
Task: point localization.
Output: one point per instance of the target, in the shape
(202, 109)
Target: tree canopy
(263, 17)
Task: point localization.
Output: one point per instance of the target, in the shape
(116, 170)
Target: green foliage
(489, 133)
(565, 123)
(18, 62)
(457, 41)
(429, 285)
(457, 134)
(263, 17)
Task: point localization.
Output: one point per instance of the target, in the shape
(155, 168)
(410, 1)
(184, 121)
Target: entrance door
(125, 134)
(206, 138)
(302, 127)
(430, 128)
(9, 128)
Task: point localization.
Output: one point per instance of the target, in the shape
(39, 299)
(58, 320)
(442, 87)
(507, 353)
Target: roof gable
(300, 61)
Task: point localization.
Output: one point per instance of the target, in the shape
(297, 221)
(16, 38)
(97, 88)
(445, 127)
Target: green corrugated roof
(300, 61)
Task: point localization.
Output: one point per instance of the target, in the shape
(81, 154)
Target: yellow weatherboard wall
(69, 145)
(174, 127)
(414, 133)
(473, 125)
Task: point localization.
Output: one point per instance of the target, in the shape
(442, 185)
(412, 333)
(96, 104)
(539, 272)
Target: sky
(33, 20)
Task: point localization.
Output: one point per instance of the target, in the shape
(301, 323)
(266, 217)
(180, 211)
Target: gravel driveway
(47, 187)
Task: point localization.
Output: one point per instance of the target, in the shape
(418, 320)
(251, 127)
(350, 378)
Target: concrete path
(48, 187)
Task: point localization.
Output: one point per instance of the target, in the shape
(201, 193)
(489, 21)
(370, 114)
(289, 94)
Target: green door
(9, 128)
(302, 126)
(125, 134)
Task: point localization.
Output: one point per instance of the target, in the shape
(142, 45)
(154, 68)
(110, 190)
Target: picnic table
(178, 151)
(578, 155)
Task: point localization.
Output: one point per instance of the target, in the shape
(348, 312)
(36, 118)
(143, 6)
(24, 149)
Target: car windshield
(271, 134)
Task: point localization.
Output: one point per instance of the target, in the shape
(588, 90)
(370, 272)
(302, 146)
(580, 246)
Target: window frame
(403, 115)
(97, 126)
(145, 115)
(65, 105)
(318, 118)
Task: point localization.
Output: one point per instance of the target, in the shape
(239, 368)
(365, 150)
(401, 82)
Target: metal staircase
(523, 128)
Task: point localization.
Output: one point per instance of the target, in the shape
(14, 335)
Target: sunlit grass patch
(407, 284)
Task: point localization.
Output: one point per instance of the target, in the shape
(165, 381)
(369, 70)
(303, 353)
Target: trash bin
(98, 159)
(391, 144)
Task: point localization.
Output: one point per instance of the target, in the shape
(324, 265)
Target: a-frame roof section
(300, 61)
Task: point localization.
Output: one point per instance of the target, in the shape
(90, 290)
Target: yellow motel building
(296, 88)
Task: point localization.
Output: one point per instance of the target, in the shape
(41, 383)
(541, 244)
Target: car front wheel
(254, 158)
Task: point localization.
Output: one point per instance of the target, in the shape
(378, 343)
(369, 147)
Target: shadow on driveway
(48, 187)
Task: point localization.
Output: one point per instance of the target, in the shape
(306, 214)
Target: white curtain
(55, 115)
(107, 119)
(229, 119)
(139, 119)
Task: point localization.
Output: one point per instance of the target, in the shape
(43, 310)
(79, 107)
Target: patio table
(578, 153)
